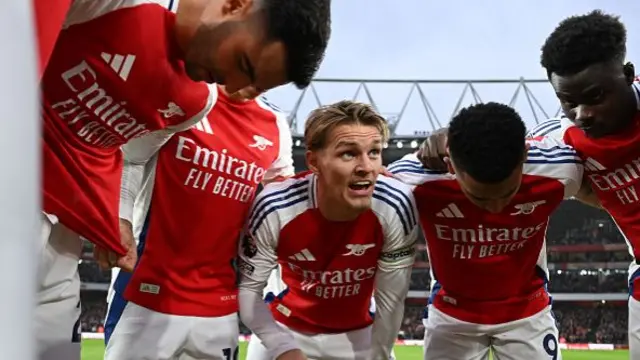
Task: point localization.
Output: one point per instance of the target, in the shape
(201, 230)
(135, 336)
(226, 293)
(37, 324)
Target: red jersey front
(197, 193)
(612, 165)
(114, 75)
(327, 267)
(491, 268)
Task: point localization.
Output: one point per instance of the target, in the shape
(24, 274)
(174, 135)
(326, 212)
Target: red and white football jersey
(612, 165)
(196, 197)
(328, 269)
(115, 74)
(491, 268)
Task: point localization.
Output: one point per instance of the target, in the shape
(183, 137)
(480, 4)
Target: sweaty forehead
(601, 74)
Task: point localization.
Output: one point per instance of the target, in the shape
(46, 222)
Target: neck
(331, 209)
(632, 105)
(236, 97)
(187, 20)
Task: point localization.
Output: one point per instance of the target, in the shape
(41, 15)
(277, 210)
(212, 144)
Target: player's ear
(312, 161)
(236, 7)
(526, 152)
(450, 167)
(447, 161)
(629, 72)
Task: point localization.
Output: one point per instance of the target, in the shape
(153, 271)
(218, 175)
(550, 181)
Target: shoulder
(552, 158)
(290, 196)
(85, 10)
(554, 127)
(550, 150)
(411, 171)
(281, 118)
(394, 204)
(293, 187)
(271, 110)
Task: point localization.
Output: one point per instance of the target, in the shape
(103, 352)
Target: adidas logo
(204, 126)
(119, 63)
(304, 255)
(592, 165)
(450, 211)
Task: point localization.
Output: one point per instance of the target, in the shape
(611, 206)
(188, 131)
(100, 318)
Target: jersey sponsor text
(478, 242)
(330, 284)
(620, 180)
(91, 102)
(201, 177)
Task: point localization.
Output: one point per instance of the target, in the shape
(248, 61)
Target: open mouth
(362, 185)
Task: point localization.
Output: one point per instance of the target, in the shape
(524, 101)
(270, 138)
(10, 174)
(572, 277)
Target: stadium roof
(415, 107)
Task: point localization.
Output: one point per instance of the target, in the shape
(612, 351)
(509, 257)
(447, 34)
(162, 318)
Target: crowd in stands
(600, 324)
(572, 224)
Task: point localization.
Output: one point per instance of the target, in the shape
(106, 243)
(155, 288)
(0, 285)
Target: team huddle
(163, 175)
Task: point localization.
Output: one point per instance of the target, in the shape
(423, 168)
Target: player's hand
(106, 259)
(433, 150)
(295, 354)
(385, 172)
(128, 261)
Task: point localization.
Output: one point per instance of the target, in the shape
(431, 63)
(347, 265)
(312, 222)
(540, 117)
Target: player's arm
(392, 280)
(137, 154)
(282, 168)
(551, 157)
(433, 150)
(587, 196)
(50, 15)
(410, 170)
(256, 261)
(553, 128)
(139, 151)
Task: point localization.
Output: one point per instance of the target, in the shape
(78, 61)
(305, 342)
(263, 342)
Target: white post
(20, 189)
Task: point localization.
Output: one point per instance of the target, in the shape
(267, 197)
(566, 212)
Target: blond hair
(324, 119)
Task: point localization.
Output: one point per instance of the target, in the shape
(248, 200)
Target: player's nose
(584, 115)
(365, 165)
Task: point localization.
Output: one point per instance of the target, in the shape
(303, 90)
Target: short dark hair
(584, 40)
(487, 141)
(304, 26)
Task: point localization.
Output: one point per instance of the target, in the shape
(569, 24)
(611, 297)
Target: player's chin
(358, 203)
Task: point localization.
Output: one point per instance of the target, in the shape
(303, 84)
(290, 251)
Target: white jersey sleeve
(137, 152)
(553, 128)
(85, 10)
(395, 207)
(410, 171)
(282, 167)
(257, 261)
(552, 158)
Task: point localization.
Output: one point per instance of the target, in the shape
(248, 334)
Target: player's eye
(568, 104)
(374, 153)
(347, 155)
(595, 97)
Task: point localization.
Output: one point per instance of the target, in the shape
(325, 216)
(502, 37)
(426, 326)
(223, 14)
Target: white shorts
(532, 338)
(353, 345)
(57, 315)
(146, 334)
(634, 328)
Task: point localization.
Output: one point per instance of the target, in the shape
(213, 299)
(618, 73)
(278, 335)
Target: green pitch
(94, 350)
